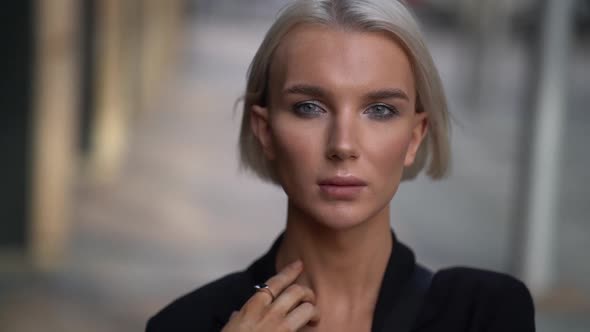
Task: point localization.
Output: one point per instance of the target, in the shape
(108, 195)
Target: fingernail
(296, 264)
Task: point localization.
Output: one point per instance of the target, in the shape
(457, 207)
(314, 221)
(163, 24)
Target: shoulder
(495, 300)
(481, 286)
(469, 279)
(204, 309)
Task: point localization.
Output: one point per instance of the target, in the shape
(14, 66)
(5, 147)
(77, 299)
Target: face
(341, 123)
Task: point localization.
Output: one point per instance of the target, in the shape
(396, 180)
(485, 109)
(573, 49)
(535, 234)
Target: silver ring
(265, 289)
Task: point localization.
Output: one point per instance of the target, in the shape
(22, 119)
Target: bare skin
(344, 268)
(290, 311)
(342, 106)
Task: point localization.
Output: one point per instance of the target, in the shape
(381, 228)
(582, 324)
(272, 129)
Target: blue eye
(308, 109)
(381, 111)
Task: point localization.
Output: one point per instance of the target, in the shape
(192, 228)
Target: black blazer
(458, 300)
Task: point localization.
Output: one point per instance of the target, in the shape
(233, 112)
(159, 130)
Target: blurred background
(119, 187)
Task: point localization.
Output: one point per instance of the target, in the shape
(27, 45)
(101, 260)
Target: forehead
(338, 58)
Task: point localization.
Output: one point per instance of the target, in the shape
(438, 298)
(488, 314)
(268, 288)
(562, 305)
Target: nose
(342, 139)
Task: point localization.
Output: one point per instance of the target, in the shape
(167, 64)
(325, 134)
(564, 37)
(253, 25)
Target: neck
(343, 265)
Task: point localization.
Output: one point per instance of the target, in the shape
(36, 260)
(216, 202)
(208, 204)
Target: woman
(343, 102)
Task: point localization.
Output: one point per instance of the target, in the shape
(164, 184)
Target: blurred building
(77, 73)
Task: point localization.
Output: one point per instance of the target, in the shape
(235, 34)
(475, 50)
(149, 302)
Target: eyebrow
(317, 92)
(388, 94)
(307, 90)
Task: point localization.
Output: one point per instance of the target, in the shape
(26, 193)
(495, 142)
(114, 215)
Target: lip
(344, 181)
(342, 187)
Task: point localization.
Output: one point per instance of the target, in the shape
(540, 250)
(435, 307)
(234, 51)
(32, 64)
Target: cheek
(389, 156)
(297, 149)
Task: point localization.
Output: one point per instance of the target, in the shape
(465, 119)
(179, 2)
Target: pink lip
(342, 181)
(342, 187)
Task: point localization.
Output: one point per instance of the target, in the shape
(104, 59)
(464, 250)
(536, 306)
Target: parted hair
(385, 16)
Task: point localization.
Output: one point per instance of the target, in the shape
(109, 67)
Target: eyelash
(391, 112)
(318, 110)
(298, 109)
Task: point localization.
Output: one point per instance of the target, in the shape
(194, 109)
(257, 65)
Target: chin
(341, 218)
(337, 215)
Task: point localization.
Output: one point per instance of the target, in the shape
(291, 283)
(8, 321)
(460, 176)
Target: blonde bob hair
(385, 16)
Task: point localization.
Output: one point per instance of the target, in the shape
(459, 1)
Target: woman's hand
(293, 308)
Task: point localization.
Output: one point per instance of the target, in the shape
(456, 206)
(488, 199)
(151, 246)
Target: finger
(259, 301)
(279, 282)
(285, 277)
(301, 316)
(291, 298)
